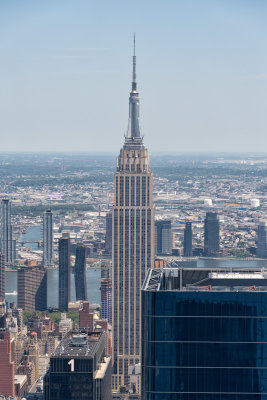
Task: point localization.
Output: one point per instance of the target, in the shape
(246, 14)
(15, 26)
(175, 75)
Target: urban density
(141, 277)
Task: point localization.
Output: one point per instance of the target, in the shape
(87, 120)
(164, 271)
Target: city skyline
(133, 279)
(203, 62)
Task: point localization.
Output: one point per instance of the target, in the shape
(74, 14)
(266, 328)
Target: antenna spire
(133, 136)
(134, 85)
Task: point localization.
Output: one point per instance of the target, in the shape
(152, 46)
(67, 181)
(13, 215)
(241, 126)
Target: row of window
(132, 191)
(133, 167)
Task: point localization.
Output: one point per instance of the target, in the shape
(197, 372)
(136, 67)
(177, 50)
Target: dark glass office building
(204, 334)
(211, 234)
(79, 369)
(80, 273)
(64, 272)
(188, 239)
(262, 239)
(163, 237)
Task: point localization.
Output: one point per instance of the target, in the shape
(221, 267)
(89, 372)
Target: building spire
(133, 135)
(134, 85)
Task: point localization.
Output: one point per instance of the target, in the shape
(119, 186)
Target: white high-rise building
(48, 237)
(132, 243)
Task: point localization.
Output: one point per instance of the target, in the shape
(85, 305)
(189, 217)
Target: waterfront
(93, 277)
(32, 235)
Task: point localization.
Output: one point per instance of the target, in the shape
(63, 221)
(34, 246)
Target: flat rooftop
(78, 345)
(206, 279)
(20, 379)
(102, 368)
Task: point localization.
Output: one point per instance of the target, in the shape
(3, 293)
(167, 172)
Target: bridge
(39, 242)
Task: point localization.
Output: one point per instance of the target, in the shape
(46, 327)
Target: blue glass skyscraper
(262, 239)
(64, 271)
(204, 335)
(188, 239)
(80, 273)
(211, 235)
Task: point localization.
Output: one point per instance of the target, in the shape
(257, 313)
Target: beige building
(132, 244)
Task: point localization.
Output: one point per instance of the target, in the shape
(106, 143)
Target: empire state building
(132, 244)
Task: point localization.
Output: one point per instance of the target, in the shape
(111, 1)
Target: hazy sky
(65, 74)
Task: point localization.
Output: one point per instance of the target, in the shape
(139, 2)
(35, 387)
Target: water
(93, 276)
(93, 284)
(32, 233)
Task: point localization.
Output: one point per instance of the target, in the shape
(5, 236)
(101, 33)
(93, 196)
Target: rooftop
(20, 379)
(78, 345)
(206, 279)
(101, 371)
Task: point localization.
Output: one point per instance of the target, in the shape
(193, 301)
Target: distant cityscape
(72, 231)
(81, 208)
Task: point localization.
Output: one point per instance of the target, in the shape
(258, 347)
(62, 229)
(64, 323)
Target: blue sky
(65, 74)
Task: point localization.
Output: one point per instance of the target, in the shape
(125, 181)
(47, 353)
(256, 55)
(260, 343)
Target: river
(93, 276)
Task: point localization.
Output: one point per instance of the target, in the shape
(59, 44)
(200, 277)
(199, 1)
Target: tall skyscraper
(108, 237)
(204, 335)
(32, 288)
(6, 232)
(211, 234)
(106, 299)
(79, 369)
(2, 278)
(80, 273)
(262, 239)
(163, 237)
(48, 237)
(188, 239)
(64, 271)
(132, 241)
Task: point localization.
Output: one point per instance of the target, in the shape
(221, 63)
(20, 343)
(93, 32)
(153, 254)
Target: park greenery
(35, 210)
(55, 316)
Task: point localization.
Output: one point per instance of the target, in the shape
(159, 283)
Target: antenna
(134, 66)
